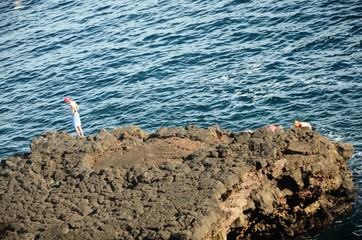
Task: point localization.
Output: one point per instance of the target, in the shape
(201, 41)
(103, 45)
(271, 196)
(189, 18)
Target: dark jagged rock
(176, 183)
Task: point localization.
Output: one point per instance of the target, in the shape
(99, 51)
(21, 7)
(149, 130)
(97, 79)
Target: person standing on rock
(75, 116)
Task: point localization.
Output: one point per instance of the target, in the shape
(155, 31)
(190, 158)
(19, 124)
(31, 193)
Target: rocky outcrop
(176, 183)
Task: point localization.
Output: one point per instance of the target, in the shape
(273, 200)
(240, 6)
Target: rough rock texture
(176, 183)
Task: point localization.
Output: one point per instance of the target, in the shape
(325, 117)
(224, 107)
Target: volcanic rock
(176, 183)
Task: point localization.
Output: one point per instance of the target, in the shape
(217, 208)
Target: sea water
(238, 64)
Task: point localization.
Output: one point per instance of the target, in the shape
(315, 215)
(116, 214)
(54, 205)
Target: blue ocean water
(240, 64)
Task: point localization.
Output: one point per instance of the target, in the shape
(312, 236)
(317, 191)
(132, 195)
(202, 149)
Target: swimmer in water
(18, 4)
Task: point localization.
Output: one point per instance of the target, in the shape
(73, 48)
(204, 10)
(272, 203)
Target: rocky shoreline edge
(175, 183)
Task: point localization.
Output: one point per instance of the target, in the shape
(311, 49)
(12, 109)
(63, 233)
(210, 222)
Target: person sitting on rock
(275, 128)
(75, 116)
(298, 124)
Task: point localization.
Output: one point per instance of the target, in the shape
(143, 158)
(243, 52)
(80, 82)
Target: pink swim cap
(67, 99)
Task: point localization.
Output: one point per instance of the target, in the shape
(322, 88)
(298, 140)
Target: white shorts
(76, 120)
